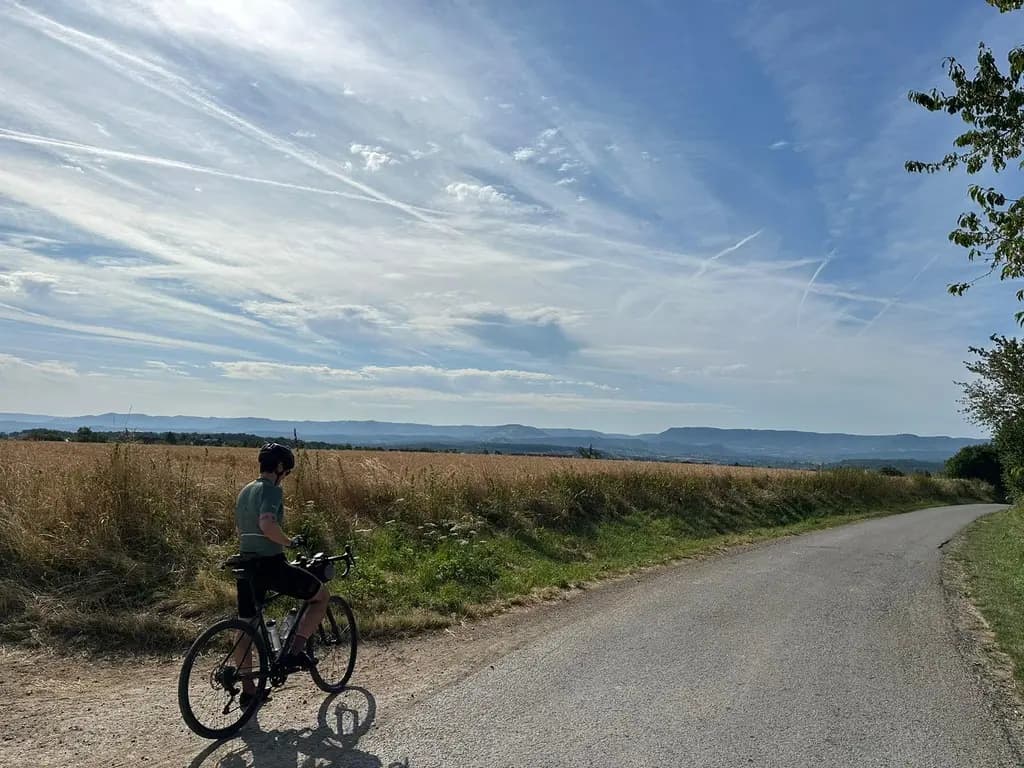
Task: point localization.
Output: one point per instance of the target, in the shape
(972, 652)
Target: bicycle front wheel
(227, 660)
(334, 646)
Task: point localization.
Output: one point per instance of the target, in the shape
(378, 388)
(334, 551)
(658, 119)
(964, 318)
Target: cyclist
(259, 514)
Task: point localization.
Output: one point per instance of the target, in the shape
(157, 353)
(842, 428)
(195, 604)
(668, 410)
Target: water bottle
(275, 639)
(287, 622)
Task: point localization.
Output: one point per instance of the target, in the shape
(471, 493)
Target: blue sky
(623, 216)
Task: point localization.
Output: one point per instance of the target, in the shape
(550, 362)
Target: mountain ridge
(760, 446)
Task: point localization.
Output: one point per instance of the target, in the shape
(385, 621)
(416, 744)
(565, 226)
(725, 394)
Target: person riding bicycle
(259, 514)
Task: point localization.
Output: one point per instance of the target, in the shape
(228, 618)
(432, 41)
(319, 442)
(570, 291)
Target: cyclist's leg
(295, 582)
(316, 608)
(241, 657)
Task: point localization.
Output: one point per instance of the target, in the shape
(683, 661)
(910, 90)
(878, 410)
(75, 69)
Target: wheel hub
(224, 677)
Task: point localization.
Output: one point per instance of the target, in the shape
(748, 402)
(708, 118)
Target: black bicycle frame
(285, 641)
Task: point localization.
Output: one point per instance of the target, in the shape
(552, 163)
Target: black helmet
(273, 454)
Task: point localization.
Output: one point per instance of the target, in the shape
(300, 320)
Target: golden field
(120, 544)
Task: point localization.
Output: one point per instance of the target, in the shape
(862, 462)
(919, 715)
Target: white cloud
(371, 375)
(286, 257)
(375, 158)
(12, 365)
(483, 193)
(544, 152)
(432, 149)
(37, 283)
(250, 370)
(163, 367)
(779, 145)
(713, 371)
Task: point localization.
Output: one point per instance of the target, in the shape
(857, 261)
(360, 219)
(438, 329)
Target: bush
(978, 462)
(1010, 443)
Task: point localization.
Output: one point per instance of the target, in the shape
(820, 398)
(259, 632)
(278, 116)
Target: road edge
(976, 643)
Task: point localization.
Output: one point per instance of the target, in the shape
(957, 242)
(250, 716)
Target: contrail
(9, 312)
(179, 89)
(900, 295)
(732, 248)
(810, 283)
(164, 162)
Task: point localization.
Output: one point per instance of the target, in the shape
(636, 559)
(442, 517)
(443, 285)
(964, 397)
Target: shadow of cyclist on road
(342, 720)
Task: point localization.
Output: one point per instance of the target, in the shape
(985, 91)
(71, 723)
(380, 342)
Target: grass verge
(122, 552)
(993, 559)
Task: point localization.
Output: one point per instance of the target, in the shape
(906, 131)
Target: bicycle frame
(230, 643)
(262, 628)
(277, 676)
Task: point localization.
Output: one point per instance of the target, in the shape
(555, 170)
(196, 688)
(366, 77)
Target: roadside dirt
(64, 711)
(977, 644)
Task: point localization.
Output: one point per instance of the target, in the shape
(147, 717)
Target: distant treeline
(238, 440)
(244, 440)
(893, 467)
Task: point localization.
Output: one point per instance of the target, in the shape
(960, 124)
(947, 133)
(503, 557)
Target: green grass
(993, 557)
(123, 552)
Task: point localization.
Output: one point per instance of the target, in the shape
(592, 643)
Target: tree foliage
(991, 102)
(978, 462)
(997, 395)
(1009, 440)
(996, 400)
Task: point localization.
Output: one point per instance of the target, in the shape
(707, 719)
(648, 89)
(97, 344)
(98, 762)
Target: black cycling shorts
(273, 573)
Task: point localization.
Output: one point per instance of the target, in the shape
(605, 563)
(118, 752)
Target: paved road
(832, 649)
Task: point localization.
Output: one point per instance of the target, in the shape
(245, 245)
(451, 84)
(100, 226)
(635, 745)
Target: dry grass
(237, 465)
(120, 543)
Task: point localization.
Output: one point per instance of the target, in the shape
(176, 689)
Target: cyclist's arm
(272, 529)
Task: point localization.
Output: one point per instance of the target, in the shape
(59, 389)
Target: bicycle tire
(329, 640)
(207, 642)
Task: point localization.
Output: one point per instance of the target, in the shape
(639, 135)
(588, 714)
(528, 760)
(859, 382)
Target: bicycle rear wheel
(214, 675)
(334, 646)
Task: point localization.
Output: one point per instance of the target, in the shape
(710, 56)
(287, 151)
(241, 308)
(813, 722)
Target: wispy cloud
(47, 368)
(483, 193)
(344, 202)
(809, 286)
(374, 158)
(705, 265)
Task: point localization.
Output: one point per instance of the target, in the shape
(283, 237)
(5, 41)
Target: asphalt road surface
(830, 649)
(833, 649)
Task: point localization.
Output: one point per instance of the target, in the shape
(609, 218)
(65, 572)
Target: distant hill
(744, 446)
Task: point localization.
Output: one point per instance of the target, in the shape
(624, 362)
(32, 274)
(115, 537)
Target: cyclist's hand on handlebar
(297, 541)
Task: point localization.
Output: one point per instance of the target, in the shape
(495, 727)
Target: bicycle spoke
(217, 671)
(334, 647)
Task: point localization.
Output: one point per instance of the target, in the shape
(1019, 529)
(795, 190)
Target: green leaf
(990, 101)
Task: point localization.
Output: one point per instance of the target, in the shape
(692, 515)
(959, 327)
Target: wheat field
(239, 464)
(121, 543)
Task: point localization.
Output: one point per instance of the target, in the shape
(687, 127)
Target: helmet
(273, 454)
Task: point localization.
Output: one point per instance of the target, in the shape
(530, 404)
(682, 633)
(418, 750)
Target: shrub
(1009, 441)
(978, 462)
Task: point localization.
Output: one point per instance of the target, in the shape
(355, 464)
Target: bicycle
(234, 650)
